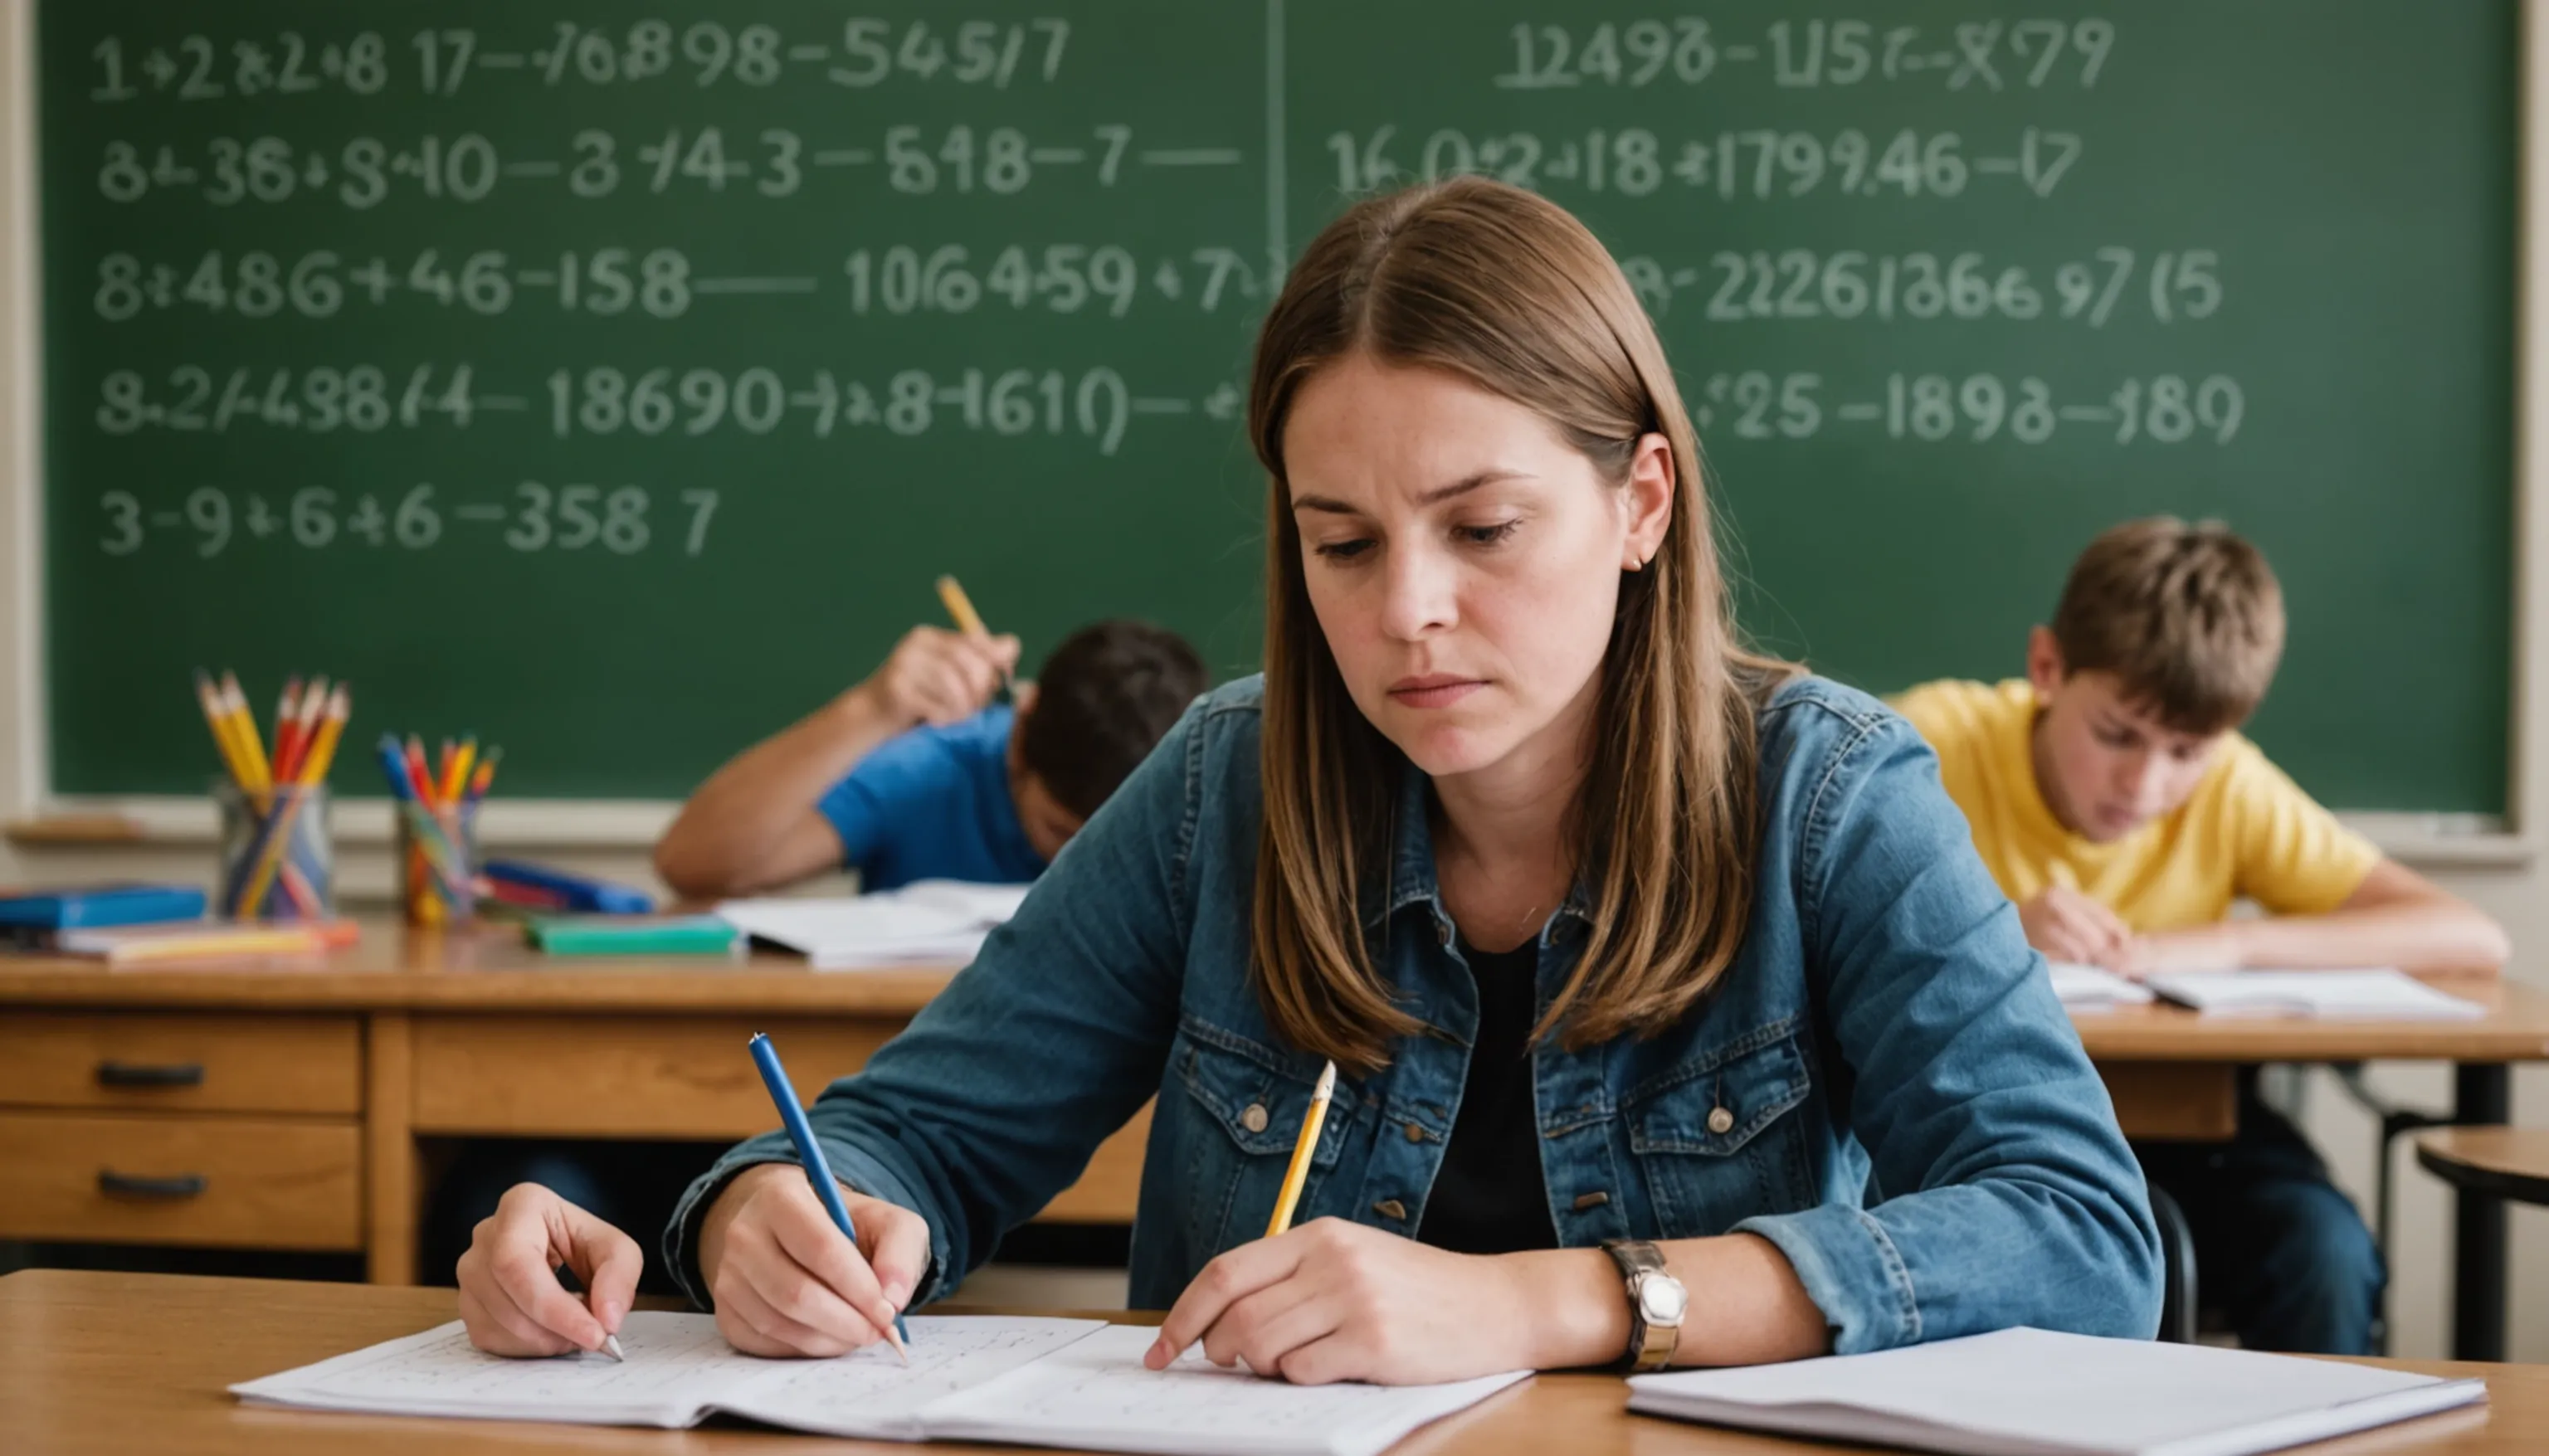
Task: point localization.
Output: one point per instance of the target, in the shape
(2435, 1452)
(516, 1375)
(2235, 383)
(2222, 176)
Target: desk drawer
(207, 1062)
(213, 1181)
(621, 1076)
(604, 1076)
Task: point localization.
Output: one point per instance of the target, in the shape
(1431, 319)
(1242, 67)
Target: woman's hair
(1511, 294)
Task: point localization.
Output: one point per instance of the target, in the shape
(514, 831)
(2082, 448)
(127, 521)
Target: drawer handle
(184, 1185)
(148, 1075)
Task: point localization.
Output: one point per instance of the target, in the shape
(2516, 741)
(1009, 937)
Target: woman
(1648, 966)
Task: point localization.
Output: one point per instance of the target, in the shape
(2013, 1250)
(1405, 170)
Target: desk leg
(389, 1150)
(2481, 1093)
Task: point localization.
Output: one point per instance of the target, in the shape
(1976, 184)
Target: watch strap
(1650, 1348)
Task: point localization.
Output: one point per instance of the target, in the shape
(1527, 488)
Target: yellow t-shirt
(2247, 831)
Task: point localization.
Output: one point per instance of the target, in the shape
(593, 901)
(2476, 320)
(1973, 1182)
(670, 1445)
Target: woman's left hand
(1334, 1300)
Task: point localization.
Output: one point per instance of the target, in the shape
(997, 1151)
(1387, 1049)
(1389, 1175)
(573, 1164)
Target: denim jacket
(1883, 1084)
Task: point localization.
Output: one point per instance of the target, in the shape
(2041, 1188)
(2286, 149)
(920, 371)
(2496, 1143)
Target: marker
(811, 1153)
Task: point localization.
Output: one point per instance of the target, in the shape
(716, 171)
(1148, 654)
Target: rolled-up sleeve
(2000, 1190)
(995, 1097)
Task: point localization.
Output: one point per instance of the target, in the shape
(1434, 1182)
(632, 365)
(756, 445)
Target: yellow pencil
(244, 730)
(1299, 1172)
(960, 608)
(218, 718)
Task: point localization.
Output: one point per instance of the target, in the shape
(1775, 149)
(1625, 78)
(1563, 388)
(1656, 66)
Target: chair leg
(2177, 1310)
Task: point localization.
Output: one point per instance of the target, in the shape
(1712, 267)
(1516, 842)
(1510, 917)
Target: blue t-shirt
(934, 803)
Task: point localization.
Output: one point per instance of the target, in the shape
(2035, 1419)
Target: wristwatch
(1656, 1302)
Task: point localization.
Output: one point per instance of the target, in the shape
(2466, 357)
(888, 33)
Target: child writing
(913, 775)
(2113, 798)
(1651, 967)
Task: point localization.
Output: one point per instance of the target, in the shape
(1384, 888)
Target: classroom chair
(2177, 1310)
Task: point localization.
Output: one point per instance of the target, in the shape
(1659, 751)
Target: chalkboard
(613, 380)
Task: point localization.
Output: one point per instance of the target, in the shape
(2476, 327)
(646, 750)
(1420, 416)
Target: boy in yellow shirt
(2114, 800)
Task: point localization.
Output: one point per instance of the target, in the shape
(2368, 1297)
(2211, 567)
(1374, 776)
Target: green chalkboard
(613, 380)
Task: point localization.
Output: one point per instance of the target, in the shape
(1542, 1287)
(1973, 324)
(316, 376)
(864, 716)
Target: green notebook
(634, 935)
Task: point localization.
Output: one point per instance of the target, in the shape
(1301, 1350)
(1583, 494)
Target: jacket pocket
(1716, 1138)
(1247, 1111)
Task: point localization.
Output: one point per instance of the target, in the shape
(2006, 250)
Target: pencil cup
(437, 862)
(278, 858)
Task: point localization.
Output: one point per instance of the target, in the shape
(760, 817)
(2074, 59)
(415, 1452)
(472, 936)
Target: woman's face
(1464, 560)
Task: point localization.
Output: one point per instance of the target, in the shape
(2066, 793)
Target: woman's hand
(510, 1296)
(784, 1280)
(1334, 1300)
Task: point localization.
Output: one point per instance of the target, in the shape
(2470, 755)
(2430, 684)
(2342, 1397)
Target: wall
(2503, 875)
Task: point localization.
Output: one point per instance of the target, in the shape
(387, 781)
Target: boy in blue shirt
(912, 774)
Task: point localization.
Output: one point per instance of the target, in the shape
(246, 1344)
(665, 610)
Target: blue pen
(811, 1153)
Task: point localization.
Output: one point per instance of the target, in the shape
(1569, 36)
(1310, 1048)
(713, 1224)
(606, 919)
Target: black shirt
(1489, 1197)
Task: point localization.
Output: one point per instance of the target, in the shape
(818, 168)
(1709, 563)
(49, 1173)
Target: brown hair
(1508, 291)
(1103, 700)
(2188, 618)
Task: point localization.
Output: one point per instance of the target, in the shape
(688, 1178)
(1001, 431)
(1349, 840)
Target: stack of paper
(2094, 988)
(2357, 995)
(2036, 1393)
(1032, 1382)
(929, 922)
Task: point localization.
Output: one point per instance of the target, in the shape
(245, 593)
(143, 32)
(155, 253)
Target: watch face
(1661, 1301)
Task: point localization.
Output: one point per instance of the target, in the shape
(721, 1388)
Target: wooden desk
(138, 1364)
(297, 1091)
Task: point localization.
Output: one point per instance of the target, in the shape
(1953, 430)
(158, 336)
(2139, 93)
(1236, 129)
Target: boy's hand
(2067, 925)
(939, 677)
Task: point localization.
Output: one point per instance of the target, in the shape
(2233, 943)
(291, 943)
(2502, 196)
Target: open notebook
(2335, 995)
(2039, 1392)
(936, 922)
(1034, 1382)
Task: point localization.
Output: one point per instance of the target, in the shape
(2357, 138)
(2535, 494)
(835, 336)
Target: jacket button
(1415, 1131)
(1390, 1208)
(1253, 1120)
(1594, 1199)
(1720, 1121)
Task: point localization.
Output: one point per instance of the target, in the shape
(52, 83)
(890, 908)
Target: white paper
(2093, 987)
(870, 1395)
(929, 922)
(1097, 1394)
(2039, 1392)
(677, 1367)
(2359, 995)
(1031, 1381)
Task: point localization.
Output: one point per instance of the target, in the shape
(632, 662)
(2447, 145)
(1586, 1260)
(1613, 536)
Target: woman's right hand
(784, 1280)
(510, 1295)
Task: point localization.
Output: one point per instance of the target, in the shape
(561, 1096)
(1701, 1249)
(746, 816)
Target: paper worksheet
(2042, 1392)
(2094, 988)
(2335, 995)
(1096, 1393)
(679, 1370)
(1026, 1381)
(927, 922)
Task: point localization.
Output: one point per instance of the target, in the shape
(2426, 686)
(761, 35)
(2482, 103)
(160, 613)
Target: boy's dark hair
(2189, 617)
(1106, 697)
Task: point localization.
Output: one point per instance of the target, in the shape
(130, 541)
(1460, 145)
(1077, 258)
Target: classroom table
(279, 1104)
(139, 1364)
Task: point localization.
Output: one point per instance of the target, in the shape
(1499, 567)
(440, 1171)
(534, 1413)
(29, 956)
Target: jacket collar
(1412, 881)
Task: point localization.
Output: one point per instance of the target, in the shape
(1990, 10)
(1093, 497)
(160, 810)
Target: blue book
(101, 905)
